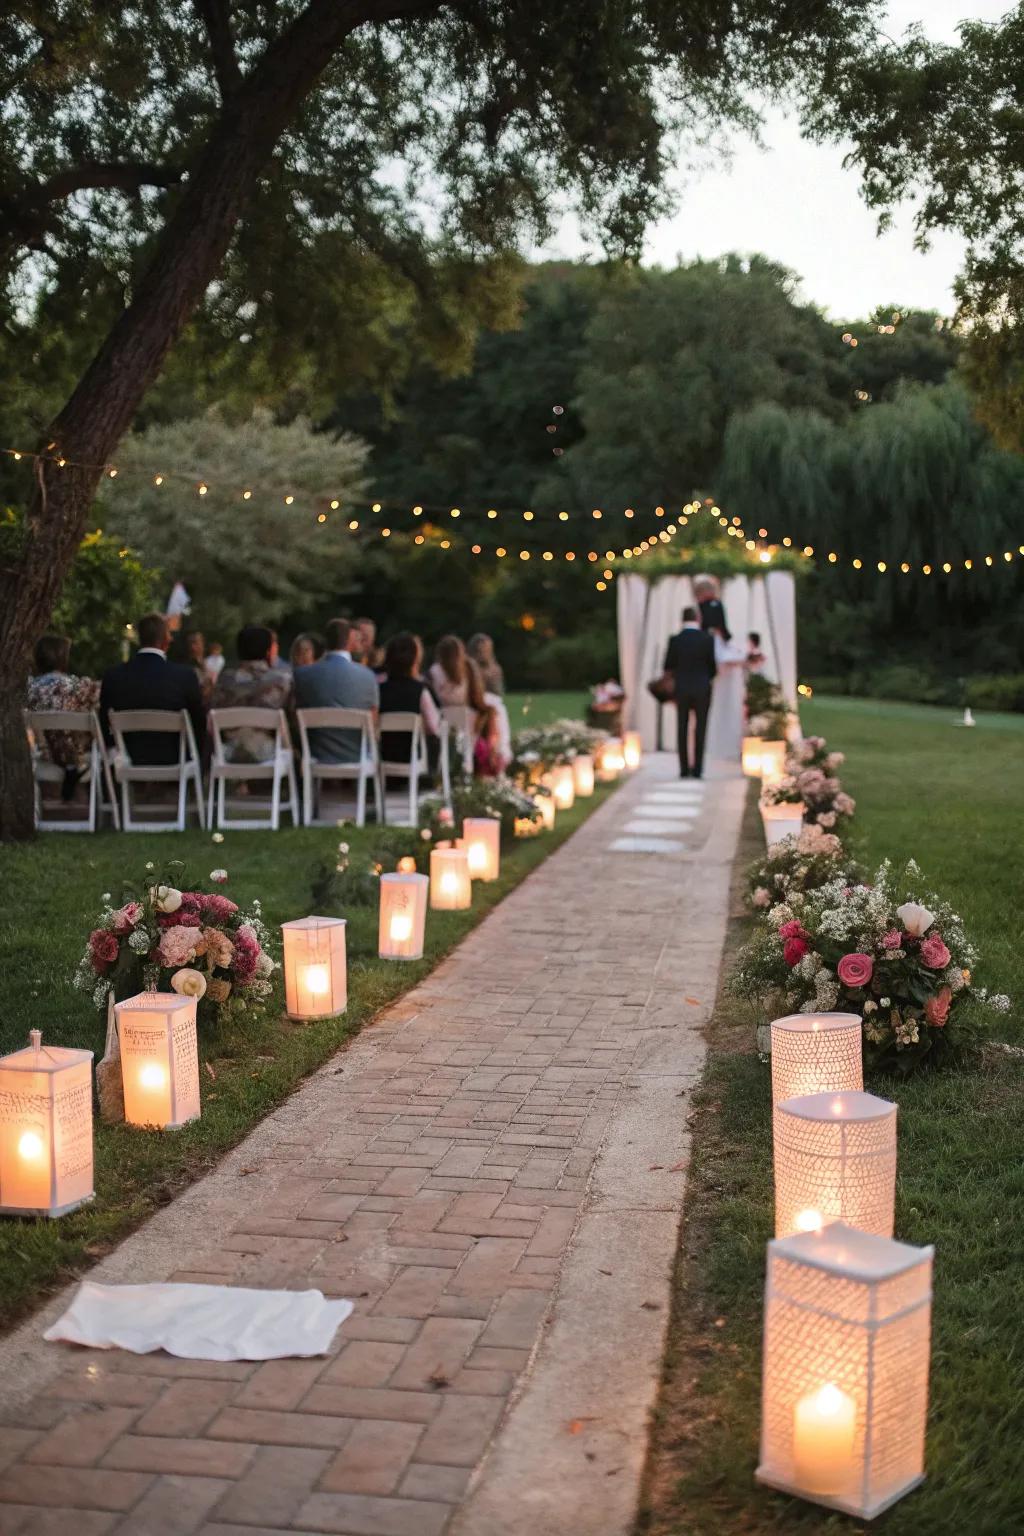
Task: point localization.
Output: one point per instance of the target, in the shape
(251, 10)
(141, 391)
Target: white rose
(218, 876)
(915, 918)
(189, 983)
(218, 837)
(166, 898)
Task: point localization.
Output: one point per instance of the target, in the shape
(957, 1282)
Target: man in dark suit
(150, 681)
(691, 660)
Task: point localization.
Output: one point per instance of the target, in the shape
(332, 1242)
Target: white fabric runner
(201, 1322)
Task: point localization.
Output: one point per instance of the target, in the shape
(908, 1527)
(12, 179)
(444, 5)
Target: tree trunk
(107, 397)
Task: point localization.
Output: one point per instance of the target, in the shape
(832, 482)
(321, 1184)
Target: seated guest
(488, 759)
(150, 681)
(481, 650)
(364, 646)
(54, 687)
(336, 681)
(191, 652)
(755, 658)
(449, 674)
(214, 661)
(404, 690)
(255, 683)
(305, 650)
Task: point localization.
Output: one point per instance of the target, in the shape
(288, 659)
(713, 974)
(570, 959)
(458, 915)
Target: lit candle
(481, 838)
(152, 1076)
(546, 805)
(451, 888)
(407, 865)
(30, 1146)
(315, 967)
(318, 980)
(631, 749)
(477, 858)
(449, 883)
(823, 1433)
(401, 927)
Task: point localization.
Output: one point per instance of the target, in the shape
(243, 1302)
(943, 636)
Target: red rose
(792, 930)
(936, 1009)
(180, 919)
(103, 949)
(794, 950)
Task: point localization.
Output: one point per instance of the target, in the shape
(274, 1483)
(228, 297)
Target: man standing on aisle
(691, 660)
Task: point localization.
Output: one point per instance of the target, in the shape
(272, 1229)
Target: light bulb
(808, 1220)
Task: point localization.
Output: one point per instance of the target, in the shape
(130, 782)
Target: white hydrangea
(138, 941)
(1000, 1002)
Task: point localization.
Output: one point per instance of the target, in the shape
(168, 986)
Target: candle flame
(30, 1146)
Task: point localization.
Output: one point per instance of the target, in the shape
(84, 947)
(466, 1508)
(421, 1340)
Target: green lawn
(50, 894)
(953, 799)
(542, 708)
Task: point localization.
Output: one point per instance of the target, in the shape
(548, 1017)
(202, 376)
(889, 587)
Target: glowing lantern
(546, 805)
(816, 1053)
(45, 1129)
(631, 750)
(835, 1160)
(407, 865)
(562, 784)
(315, 967)
(611, 760)
(781, 821)
(159, 1058)
(450, 885)
(403, 916)
(583, 774)
(481, 838)
(773, 761)
(752, 756)
(845, 1371)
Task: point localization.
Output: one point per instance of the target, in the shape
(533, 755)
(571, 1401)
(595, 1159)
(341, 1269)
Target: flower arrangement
(162, 937)
(897, 956)
(812, 767)
(539, 748)
(767, 711)
(791, 868)
(500, 797)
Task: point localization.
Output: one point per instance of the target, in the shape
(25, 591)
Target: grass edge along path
(242, 1079)
(960, 1186)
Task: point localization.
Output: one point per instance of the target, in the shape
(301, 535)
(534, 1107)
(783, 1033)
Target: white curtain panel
(631, 594)
(780, 595)
(669, 597)
(757, 620)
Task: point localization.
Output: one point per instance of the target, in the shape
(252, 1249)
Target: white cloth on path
(201, 1322)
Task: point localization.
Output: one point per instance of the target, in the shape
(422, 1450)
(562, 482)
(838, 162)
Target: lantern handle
(35, 1039)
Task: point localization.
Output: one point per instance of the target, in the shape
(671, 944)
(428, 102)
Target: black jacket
(149, 682)
(691, 659)
(712, 616)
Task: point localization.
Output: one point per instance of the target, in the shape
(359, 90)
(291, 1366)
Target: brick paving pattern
(433, 1173)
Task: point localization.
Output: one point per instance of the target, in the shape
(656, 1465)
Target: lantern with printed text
(562, 783)
(835, 1160)
(845, 1368)
(816, 1053)
(631, 749)
(403, 916)
(45, 1129)
(546, 805)
(481, 838)
(583, 774)
(451, 888)
(159, 1058)
(610, 760)
(773, 762)
(315, 967)
(786, 819)
(752, 757)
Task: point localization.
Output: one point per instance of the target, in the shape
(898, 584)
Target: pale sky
(794, 202)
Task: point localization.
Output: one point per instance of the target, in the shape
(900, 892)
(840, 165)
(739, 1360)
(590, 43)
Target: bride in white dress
(725, 720)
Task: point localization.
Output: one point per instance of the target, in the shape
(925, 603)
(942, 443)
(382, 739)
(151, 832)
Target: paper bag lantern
(481, 837)
(631, 750)
(159, 1058)
(752, 756)
(816, 1053)
(403, 916)
(546, 805)
(835, 1160)
(45, 1129)
(773, 761)
(583, 774)
(450, 885)
(315, 967)
(562, 784)
(611, 760)
(781, 821)
(845, 1369)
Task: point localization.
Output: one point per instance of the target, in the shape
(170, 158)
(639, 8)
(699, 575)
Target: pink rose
(892, 940)
(761, 897)
(126, 917)
(217, 909)
(177, 946)
(191, 901)
(246, 956)
(936, 1009)
(179, 919)
(794, 950)
(844, 804)
(445, 816)
(934, 953)
(855, 970)
(103, 949)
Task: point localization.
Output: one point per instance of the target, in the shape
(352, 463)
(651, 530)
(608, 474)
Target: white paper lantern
(781, 821)
(451, 888)
(631, 749)
(45, 1129)
(583, 774)
(752, 756)
(835, 1160)
(159, 1058)
(845, 1368)
(562, 784)
(610, 760)
(481, 838)
(403, 916)
(546, 805)
(315, 967)
(773, 761)
(816, 1053)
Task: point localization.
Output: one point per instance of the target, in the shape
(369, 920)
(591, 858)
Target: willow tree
(156, 142)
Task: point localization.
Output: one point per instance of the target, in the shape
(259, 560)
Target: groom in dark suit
(691, 660)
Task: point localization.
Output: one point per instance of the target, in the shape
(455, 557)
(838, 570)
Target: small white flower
(426, 834)
(218, 876)
(105, 896)
(151, 865)
(139, 941)
(218, 837)
(343, 847)
(885, 1002)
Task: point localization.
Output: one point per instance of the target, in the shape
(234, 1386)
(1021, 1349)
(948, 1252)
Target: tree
(156, 141)
(241, 559)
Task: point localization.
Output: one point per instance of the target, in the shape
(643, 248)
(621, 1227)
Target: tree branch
(127, 176)
(216, 17)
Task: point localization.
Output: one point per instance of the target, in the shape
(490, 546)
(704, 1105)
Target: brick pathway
(435, 1172)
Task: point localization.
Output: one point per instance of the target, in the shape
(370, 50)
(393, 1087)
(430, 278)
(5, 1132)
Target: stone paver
(493, 1172)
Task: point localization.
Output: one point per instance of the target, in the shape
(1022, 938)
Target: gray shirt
(335, 682)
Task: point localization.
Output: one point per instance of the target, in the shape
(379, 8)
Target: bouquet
(887, 951)
(796, 865)
(194, 942)
(813, 768)
(539, 748)
(767, 711)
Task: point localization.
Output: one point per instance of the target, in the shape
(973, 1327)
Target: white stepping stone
(646, 827)
(667, 812)
(646, 845)
(673, 799)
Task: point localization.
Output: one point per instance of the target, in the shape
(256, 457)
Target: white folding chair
(406, 723)
(316, 772)
(279, 768)
(458, 721)
(96, 775)
(186, 771)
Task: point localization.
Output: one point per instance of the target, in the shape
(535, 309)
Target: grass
(542, 708)
(952, 799)
(51, 890)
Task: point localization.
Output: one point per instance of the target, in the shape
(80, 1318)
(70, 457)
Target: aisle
(493, 1172)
